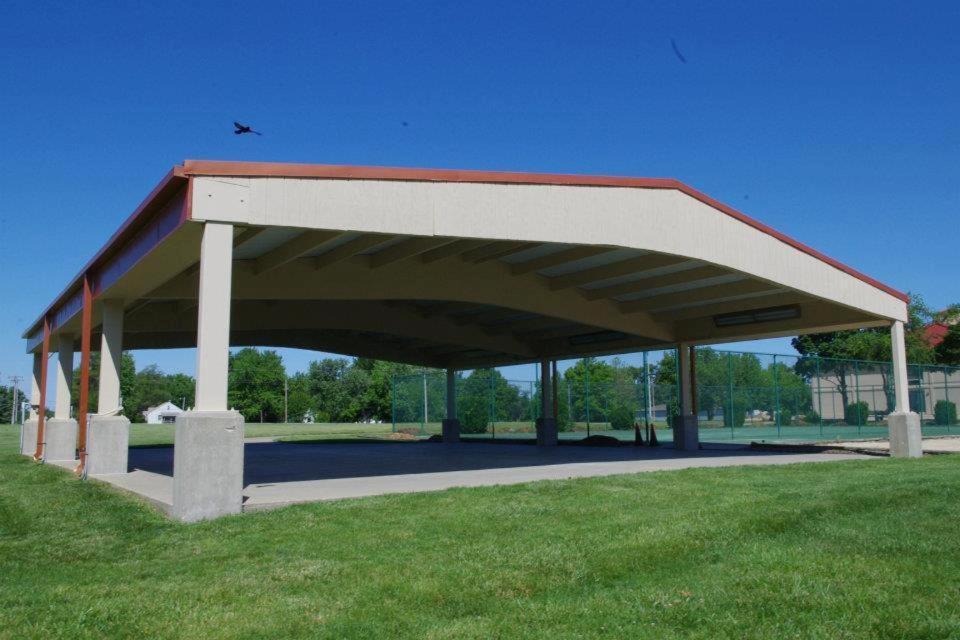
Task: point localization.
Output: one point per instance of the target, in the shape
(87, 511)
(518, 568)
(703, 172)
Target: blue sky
(836, 123)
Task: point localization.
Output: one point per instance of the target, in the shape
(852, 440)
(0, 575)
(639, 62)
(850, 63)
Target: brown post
(86, 320)
(42, 417)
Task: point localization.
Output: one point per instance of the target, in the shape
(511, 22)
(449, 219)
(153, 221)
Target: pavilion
(449, 269)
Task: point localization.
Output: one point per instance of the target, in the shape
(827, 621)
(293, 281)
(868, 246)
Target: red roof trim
(346, 172)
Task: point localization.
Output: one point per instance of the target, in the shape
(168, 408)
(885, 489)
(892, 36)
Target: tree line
(364, 389)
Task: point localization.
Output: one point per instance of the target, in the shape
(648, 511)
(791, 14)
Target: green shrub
(737, 417)
(811, 417)
(856, 413)
(945, 412)
(621, 418)
(474, 419)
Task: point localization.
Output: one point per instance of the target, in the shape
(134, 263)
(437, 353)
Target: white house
(165, 413)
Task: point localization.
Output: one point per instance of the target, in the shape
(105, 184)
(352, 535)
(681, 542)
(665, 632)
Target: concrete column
(547, 424)
(451, 424)
(64, 377)
(213, 319)
(686, 432)
(108, 437)
(60, 433)
(208, 452)
(28, 431)
(906, 440)
(111, 345)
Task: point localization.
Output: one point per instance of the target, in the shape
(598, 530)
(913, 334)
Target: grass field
(845, 550)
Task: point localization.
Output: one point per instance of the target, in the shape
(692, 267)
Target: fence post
(819, 396)
(393, 401)
(776, 392)
(423, 418)
(586, 378)
(856, 382)
(732, 407)
(492, 409)
(647, 401)
(946, 399)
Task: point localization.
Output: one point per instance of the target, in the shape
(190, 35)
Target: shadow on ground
(266, 462)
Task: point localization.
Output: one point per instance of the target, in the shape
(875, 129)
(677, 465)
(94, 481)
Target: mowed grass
(855, 549)
(147, 435)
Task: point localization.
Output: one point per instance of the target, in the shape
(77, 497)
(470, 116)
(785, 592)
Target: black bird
(676, 50)
(244, 129)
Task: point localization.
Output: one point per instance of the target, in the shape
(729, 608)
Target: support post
(40, 451)
(61, 432)
(686, 432)
(547, 424)
(208, 452)
(28, 431)
(904, 425)
(451, 424)
(83, 406)
(109, 437)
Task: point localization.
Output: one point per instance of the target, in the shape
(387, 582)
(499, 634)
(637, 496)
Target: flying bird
(676, 50)
(244, 129)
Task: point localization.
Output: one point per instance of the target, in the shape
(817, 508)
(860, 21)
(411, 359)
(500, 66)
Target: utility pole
(13, 404)
(285, 416)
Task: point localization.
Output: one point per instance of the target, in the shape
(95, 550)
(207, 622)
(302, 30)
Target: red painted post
(86, 320)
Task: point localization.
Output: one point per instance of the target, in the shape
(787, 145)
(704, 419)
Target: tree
(255, 384)
(591, 389)
(378, 399)
(6, 403)
(299, 401)
(837, 349)
(485, 396)
(128, 375)
(948, 351)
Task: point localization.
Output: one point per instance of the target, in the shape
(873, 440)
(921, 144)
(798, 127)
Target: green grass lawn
(162, 434)
(846, 550)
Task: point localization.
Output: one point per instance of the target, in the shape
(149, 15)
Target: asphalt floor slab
(280, 473)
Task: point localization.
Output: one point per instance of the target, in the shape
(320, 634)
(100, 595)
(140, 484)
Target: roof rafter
(407, 249)
(349, 249)
(615, 270)
(293, 249)
(703, 294)
(555, 259)
(654, 282)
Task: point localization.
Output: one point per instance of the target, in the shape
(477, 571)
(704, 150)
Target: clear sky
(835, 122)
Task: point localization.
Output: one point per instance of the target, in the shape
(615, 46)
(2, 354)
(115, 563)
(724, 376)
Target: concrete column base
(108, 440)
(60, 436)
(906, 440)
(28, 437)
(686, 433)
(207, 465)
(546, 432)
(451, 430)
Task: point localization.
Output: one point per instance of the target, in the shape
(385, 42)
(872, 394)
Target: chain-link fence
(740, 397)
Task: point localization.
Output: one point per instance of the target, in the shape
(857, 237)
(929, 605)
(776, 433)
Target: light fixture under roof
(757, 316)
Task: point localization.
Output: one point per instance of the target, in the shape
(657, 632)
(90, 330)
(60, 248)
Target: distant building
(165, 413)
